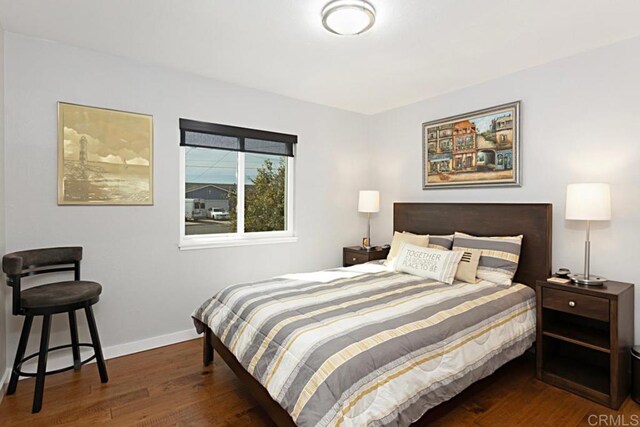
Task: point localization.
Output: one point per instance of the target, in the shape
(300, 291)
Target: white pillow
(428, 263)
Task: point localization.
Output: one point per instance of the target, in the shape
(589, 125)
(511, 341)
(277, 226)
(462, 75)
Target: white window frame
(240, 238)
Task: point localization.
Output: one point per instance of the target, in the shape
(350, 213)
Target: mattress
(365, 346)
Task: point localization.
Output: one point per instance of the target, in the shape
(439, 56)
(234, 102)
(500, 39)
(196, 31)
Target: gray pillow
(443, 241)
(499, 258)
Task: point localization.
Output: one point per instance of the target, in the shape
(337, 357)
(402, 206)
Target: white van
(194, 209)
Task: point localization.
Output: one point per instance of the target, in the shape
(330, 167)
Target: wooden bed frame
(533, 220)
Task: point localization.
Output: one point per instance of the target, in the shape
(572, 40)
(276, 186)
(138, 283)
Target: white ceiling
(417, 49)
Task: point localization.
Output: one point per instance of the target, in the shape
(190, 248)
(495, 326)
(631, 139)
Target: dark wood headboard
(533, 220)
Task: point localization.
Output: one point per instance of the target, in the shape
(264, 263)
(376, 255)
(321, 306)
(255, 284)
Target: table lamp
(369, 202)
(588, 202)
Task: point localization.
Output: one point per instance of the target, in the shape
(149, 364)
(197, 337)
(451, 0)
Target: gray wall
(150, 286)
(3, 288)
(579, 123)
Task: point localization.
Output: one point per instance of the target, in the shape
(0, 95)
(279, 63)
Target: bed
(366, 346)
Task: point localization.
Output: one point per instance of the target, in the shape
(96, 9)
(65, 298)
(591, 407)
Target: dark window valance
(233, 138)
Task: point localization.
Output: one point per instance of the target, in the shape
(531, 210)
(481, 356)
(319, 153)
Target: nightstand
(584, 338)
(352, 255)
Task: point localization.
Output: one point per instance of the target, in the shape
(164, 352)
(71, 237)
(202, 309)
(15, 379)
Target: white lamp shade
(369, 201)
(588, 202)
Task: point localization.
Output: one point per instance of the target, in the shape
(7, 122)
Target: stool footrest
(56, 371)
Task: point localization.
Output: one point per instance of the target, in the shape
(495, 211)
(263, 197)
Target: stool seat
(59, 293)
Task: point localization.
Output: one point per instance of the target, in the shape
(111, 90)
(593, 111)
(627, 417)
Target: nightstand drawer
(574, 303)
(355, 257)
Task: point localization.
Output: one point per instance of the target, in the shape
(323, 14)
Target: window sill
(188, 245)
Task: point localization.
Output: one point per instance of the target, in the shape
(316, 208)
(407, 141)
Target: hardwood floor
(169, 386)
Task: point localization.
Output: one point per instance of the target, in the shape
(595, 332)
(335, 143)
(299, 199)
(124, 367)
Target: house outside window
(237, 185)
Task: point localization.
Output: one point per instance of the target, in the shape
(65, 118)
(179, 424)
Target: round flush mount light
(348, 17)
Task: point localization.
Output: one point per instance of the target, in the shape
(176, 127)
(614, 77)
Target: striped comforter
(363, 346)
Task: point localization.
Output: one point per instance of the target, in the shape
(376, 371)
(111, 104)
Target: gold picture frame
(105, 157)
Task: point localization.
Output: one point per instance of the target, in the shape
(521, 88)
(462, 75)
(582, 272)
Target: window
(238, 185)
(446, 144)
(468, 162)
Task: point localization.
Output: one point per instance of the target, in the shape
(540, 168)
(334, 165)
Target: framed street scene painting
(105, 157)
(481, 148)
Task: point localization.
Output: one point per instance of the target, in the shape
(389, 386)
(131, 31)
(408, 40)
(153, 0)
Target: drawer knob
(353, 259)
(572, 303)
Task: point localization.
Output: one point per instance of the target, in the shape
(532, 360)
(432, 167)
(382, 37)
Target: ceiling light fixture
(348, 17)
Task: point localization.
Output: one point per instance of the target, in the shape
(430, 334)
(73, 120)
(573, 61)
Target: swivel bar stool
(47, 300)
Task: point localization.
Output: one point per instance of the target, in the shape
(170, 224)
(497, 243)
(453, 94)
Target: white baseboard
(148, 343)
(58, 360)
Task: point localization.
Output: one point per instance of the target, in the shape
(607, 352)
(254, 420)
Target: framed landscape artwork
(481, 148)
(105, 157)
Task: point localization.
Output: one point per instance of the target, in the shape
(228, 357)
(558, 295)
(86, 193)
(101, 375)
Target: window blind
(233, 138)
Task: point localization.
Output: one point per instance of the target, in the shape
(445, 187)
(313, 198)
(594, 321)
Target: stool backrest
(17, 265)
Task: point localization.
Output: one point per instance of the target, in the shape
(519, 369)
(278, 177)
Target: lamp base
(593, 280)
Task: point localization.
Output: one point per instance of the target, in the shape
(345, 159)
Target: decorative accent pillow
(400, 238)
(468, 267)
(444, 241)
(499, 258)
(428, 263)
